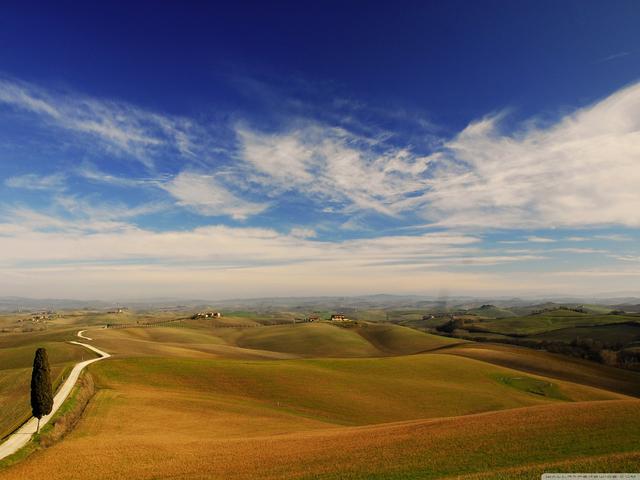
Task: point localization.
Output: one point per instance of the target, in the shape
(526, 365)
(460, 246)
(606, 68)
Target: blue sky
(484, 148)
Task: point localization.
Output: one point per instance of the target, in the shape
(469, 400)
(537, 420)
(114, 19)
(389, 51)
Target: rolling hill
(328, 418)
(199, 399)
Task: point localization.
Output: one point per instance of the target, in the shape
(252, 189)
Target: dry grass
(194, 403)
(615, 462)
(279, 341)
(107, 447)
(398, 340)
(553, 365)
(173, 342)
(309, 340)
(342, 391)
(15, 377)
(70, 413)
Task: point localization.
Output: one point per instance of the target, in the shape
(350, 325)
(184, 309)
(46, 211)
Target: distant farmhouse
(338, 317)
(37, 317)
(313, 318)
(117, 310)
(207, 315)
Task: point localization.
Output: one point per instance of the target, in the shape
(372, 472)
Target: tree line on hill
(608, 353)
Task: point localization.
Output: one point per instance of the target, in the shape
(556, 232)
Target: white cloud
(581, 171)
(25, 231)
(75, 216)
(614, 237)
(613, 57)
(200, 192)
(207, 196)
(120, 128)
(578, 250)
(31, 181)
(90, 172)
(627, 258)
(112, 257)
(333, 165)
(301, 232)
(536, 239)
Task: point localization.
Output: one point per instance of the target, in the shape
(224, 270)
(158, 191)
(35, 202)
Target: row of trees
(608, 353)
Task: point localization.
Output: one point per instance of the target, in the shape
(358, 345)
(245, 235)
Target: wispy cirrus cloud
(334, 165)
(208, 196)
(111, 238)
(537, 239)
(220, 261)
(93, 174)
(301, 232)
(32, 181)
(580, 171)
(75, 215)
(120, 128)
(613, 56)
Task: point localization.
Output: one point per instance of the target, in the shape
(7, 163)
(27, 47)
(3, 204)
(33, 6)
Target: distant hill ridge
(502, 305)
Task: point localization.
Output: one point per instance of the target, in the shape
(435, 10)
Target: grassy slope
(179, 342)
(53, 334)
(308, 339)
(15, 377)
(557, 366)
(492, 312)
(611, 334)
(346, 391)
(544, 322)
(610, 462)
(83, 318)
(326, 340)
(157, 418)
(190, 415)
(398, 340)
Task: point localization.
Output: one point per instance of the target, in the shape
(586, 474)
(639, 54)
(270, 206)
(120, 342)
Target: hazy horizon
(381, 298)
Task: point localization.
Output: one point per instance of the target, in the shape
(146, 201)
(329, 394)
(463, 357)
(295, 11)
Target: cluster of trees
(629, 358)
(586, 348)
(607, 353)
(555, 309)
(451, 325)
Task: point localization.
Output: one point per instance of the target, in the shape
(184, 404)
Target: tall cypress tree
(41, 391)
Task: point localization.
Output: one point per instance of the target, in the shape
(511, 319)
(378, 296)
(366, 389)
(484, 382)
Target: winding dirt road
(21, 437)
(81, 335)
